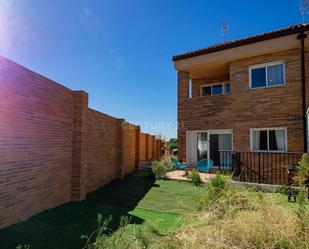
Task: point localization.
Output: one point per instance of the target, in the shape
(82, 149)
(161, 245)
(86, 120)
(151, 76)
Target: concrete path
(180, 175)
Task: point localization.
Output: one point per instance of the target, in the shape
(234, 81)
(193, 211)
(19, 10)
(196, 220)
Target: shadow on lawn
(62, 227)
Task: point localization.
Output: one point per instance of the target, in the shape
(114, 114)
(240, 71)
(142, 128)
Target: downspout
(302, 37)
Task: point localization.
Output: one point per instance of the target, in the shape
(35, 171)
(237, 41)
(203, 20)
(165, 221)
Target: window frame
(224, 85)
(274, 63)
(215, 84)
(190, 88)
(270, 129)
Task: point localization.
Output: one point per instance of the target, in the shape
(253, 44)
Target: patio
(180, 175)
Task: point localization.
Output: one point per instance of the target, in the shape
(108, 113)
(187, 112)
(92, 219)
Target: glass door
(220, 145)
(214, 149)
(225, 148)
(202, 146)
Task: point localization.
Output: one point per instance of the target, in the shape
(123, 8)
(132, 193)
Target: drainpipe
(302, 37)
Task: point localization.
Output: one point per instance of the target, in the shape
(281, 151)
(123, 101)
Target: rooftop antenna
(304, 9)
(225, 29)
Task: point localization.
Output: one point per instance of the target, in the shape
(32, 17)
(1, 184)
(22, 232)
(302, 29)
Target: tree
(172, 143)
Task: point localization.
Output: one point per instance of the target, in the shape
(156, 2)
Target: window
(215, 90)
(227, 88)
(269, 139)
(206, 91)
(267, 75)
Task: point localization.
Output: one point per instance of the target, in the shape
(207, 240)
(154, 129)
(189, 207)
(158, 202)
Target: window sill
(265, 87)
(270, 151)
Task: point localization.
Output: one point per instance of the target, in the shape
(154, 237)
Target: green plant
(240, 218)
(169, 166)
(104, 238)
(161, 167)
(195, 178)
(158, 168)
(282, 189)
(172, 143)
(302, 214)
(216, 189)
(101, 239)
(218, 182)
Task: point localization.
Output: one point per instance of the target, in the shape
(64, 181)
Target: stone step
(144, 165)
(144, 169)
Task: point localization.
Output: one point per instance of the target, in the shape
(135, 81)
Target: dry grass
(241, 218)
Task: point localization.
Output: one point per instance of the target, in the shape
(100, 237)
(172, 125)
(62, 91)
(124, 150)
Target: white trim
(268, 129)
(223, 83)
(266, 65)
(221, 131)
(190, 89)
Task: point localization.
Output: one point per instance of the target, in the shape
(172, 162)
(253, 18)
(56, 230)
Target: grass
(238, 217)
(139, 196)
(166, 214)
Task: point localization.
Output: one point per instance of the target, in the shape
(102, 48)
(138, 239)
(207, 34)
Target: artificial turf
(138, 196)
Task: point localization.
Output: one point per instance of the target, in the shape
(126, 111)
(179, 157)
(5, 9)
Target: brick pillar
(158, 148)
(121, 148)
(146, 147)
(150, 147)
(78, 181)
(137, 145)
(153, 147)
(183, 93)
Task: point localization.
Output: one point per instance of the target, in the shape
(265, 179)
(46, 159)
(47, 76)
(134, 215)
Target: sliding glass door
(220, 145)
(208, 144)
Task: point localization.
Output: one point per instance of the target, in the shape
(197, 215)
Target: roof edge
(294, 29)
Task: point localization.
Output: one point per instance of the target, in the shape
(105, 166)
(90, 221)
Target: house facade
(249, 94)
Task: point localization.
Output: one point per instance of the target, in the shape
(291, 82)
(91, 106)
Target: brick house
(249, 94)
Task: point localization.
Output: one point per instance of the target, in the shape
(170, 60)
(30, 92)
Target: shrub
(169, 166)
(161, 167)
(214, 190)
(158, 168)
(195, 178)
(218, 182)
(302, 212)
(220, 198)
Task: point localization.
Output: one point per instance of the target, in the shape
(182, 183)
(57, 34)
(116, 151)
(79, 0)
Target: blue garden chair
(178, 164)
(204, 165)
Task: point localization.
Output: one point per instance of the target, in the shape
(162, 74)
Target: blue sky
(119, 51)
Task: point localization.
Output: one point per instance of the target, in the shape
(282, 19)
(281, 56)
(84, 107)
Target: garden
(144, 210)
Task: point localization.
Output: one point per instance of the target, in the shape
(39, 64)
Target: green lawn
(139, 196)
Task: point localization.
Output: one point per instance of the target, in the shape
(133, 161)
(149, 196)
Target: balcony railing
(258, 167)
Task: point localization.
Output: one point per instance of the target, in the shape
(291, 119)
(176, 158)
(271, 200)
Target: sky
(120, 51)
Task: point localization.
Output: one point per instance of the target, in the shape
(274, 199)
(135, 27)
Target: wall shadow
(62, 226)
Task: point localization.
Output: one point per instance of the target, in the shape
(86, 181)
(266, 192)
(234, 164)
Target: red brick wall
(36, 130)
(101, 149)
(150, 147)
(53, 148)
(142, 149)
(130, 146)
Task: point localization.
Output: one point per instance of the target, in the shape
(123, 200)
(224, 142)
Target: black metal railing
(258, 167)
